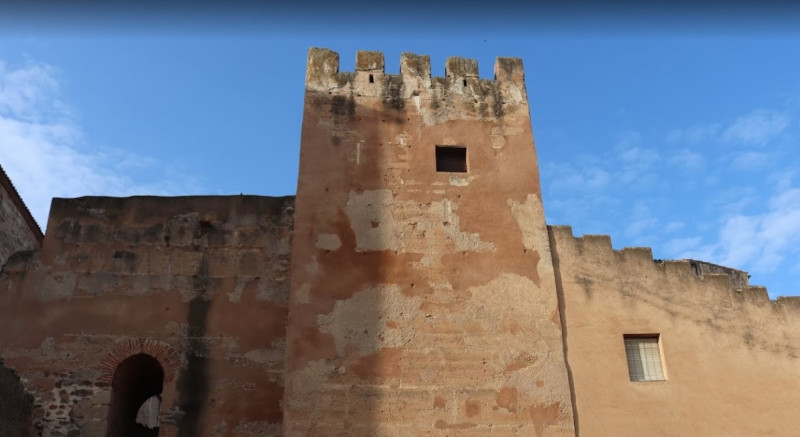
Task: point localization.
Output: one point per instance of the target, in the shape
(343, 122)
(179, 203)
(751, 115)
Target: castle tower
(423, 295)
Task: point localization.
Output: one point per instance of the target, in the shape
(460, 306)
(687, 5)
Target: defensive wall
(199, 284)
(730, 354)
(18, 229)
(423, 299)
(411, 288)
(18, 233)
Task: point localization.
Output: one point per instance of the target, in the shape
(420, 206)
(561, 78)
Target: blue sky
(673, 129)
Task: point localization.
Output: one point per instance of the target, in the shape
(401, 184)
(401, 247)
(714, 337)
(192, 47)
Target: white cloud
(678, 246)
(694, 135)
(634, 166)
(597, 178)
(703, 252)
(638, 155)
(759, 243)
(43, 151)
(738, 240)
(565, 178)
(735, 200)
(561, 177)
(687, 159)
(628, 139)
(29, 93)
(641, 220)
(745, 208)
(756, 128)
(674, 226)
(751, 161)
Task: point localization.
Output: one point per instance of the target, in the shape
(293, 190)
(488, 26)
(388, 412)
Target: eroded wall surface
(18, 230)
(729, 353)
(422, 302)
(199, 283)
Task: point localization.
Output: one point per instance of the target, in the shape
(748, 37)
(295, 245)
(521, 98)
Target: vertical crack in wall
(563, 320)
(193, 386)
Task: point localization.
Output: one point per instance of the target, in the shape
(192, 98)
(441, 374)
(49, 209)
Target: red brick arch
(166, 356)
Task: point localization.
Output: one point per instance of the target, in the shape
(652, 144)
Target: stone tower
(423, 294)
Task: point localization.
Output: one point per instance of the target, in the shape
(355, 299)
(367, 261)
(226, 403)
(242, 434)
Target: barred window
(644, 357)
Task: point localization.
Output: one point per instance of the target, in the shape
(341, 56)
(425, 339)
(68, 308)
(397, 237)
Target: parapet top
(323, 65)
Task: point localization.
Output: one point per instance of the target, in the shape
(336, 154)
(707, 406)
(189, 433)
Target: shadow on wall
(193, 384)
(16, 405)
(336, 362)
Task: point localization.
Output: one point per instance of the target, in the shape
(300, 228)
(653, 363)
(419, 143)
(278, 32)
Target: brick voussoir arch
(169, 359)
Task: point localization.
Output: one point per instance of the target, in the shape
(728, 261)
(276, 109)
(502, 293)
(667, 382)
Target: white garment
(147, 415)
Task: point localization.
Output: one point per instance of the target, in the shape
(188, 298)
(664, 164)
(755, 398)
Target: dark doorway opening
(135, 397)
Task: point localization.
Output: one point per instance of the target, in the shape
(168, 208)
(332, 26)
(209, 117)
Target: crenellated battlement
(411, 287)
(597, 250)
(414, 81)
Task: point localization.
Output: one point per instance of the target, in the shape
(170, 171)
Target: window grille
(644, 358)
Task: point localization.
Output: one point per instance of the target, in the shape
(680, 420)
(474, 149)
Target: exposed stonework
(18, 229)
(739, 278)
(433, 312)
(397, 300)
(166, 277)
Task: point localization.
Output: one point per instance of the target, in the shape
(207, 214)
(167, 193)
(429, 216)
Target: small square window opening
(644, 357)
(451, 159)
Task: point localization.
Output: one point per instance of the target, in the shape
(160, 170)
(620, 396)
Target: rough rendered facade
(411, 288)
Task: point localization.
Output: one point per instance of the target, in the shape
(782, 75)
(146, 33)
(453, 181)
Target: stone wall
(18, 230)
(16, 405)
(427, 295)
(730, 354)
(198, 283)
(423, 302)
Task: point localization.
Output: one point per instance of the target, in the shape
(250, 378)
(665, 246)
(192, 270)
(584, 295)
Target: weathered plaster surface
(380, 224)
(200, 283)
(730, 354)
(419, 304)
(350, 326)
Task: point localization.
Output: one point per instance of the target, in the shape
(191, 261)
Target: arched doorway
(135, 397)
